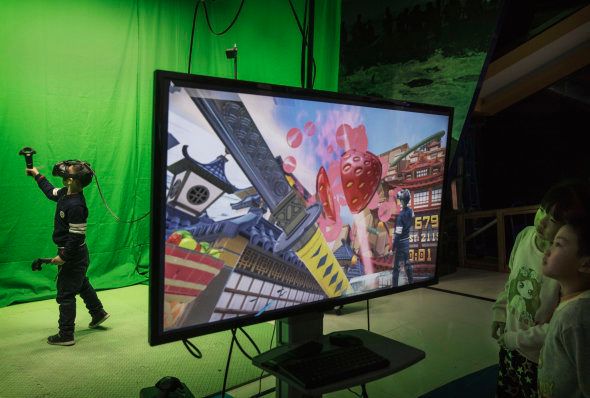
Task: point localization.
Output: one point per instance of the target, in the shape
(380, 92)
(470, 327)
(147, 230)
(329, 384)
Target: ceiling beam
(543, 60)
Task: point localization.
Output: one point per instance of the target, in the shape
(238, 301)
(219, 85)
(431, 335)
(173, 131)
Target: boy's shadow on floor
(86, 332)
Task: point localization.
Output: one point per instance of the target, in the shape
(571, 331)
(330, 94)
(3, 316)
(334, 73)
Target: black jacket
(69, 223)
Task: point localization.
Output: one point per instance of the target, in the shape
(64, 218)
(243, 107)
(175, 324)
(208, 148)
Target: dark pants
(402, 256)
(517, 376)
(72, 280)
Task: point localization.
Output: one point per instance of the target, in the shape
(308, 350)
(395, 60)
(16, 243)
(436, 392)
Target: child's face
(561, 260)
(69, 181)
(545, 225)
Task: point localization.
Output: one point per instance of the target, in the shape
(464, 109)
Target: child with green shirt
(522, 311)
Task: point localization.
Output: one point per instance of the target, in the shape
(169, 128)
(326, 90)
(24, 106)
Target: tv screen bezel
(156, 333)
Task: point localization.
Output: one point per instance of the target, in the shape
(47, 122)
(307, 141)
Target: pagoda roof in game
(344, 255)
(214, 172)
(422, 162)
(344, 252)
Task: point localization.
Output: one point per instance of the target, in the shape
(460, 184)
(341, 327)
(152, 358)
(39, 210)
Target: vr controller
(36, 266)
(61, 169)
(28, 153)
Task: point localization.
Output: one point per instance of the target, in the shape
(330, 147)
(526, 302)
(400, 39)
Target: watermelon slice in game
(325, 194)
(187, 272)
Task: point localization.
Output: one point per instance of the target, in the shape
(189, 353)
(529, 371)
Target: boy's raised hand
(31, 172)
(498, 329)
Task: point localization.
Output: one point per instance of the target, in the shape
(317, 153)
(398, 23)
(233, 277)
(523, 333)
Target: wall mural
(422, 51)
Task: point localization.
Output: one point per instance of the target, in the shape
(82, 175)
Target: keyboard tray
(331, 366)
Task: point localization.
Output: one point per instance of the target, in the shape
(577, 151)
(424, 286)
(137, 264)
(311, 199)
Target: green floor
(115, 361)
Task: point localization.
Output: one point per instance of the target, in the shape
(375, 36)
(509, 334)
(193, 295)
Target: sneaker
(97, 320)
(58, 339)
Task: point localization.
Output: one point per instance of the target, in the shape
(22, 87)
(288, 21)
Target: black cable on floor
(365, 395)
(263, 393)
(192, 349)
(368, 317)
(251, 340)
(242, 348)
(231, 347)
(460, 294)
(272, 337)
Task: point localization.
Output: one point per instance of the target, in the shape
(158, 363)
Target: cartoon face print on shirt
(523, 295)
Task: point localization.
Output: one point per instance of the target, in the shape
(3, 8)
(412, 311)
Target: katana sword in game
(232, 123)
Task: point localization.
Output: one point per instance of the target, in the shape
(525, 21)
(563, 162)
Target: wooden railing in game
(499, 221)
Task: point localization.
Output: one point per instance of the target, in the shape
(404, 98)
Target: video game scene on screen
(273, 202)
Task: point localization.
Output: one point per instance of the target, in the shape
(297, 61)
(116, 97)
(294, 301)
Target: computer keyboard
(331, 366)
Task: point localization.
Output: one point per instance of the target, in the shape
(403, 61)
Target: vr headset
(83, 174)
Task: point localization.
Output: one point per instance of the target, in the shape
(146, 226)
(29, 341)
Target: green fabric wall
(76, 82)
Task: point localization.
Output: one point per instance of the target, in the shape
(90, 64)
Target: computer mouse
(345, 340)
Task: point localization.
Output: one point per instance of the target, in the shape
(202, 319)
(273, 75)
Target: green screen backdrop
(76, 82)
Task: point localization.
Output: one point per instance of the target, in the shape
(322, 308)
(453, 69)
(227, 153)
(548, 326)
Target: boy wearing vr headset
(69, 234)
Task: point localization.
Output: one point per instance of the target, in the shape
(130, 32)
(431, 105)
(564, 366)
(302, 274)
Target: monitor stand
(303, 328)
(293, 330)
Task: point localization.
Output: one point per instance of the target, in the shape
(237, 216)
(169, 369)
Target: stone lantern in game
(195, 186)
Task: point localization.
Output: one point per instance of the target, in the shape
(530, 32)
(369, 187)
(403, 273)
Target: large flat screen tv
(271, 200)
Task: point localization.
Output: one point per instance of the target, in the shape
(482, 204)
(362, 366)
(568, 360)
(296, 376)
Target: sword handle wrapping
(321, 263)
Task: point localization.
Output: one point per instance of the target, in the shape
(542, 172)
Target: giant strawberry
(325, 195)
(360, 173)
